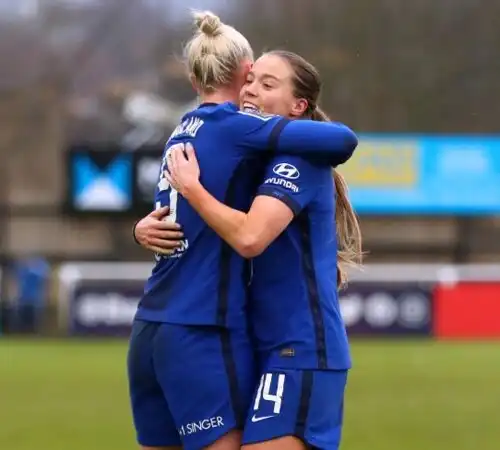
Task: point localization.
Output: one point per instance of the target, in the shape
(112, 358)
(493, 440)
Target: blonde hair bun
(208, 23)
(214, 52)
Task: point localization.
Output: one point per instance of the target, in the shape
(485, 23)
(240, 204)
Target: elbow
(250, 246)
(350, 143)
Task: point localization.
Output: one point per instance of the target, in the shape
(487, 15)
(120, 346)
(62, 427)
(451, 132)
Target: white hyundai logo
(286, 170)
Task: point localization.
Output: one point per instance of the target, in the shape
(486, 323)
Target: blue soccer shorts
(188, 385)
(307, 404)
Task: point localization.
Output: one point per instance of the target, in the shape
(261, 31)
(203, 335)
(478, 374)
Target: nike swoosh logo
(258, 419)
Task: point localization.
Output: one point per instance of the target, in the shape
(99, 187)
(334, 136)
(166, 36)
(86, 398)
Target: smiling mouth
(248, 105)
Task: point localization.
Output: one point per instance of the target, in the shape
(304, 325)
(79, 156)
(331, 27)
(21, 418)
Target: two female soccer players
(293, 310)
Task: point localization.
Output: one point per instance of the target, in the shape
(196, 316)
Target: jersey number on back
(164, 185)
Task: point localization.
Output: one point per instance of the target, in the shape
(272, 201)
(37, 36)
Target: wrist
(133, 232)
(192, 191)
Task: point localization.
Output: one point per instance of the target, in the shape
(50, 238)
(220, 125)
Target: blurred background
(89, 92)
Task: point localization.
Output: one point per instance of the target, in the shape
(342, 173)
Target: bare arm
(247, 233)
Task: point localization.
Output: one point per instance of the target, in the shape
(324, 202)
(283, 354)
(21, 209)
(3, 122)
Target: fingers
(166, 234)
(169, 177)
(177, 157)
(160, 213)
(165, 244)
(171, 165)
(173, 172)
(179, 146)
(190, 153)
(160, 251)
(182, 171)
(173, 226)
(170, 169)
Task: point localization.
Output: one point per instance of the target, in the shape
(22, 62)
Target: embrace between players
(238, 339)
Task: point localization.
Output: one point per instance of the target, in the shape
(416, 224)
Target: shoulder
(254, 124)
(253, 115)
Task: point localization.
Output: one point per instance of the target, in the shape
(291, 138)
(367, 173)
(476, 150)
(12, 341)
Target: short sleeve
(292, 180)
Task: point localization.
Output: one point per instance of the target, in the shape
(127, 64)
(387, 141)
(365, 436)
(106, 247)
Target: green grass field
(404, 395)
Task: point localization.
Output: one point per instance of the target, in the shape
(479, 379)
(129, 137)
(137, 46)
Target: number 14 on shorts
(269, 383)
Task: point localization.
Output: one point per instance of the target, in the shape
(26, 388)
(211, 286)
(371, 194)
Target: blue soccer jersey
(294, 305)
(208, 286)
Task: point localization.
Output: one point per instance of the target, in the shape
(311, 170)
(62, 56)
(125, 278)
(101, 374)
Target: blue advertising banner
(99, 180)
(420, 174)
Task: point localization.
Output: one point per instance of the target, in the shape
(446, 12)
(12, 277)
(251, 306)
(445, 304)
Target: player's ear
(242, 73)
(299, 107)
(246, 67)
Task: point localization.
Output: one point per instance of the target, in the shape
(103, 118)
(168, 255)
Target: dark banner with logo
(387, 309)
(103, 308)
(106, 179)
(107, 308)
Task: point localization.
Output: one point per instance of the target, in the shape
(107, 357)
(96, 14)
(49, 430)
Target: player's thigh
(154, 424)
(230, 441)
(279, 443)
(296, 409)
(208, 377)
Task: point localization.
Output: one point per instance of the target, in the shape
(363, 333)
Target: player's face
(269, 88)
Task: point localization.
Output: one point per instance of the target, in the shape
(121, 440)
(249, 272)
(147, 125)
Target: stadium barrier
(442, 301)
